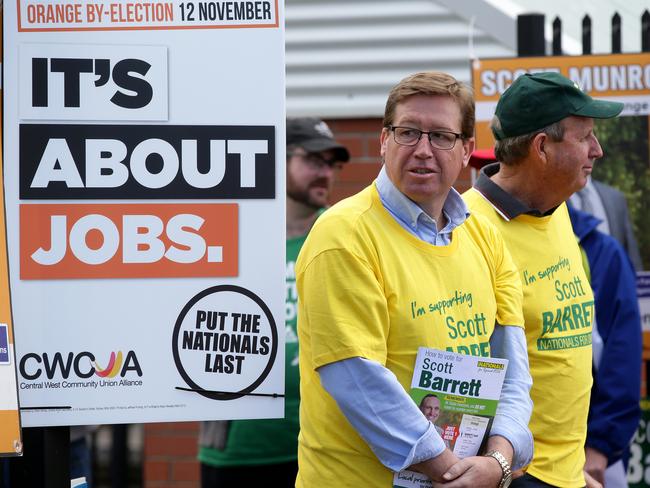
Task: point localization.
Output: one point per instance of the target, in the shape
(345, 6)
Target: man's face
(572, 160)
(310, 176)
(421, 172)
(431, 409)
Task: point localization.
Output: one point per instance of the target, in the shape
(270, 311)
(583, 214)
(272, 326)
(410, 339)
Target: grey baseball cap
(313, 135)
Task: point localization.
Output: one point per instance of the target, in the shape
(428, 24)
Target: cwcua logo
(82, 364)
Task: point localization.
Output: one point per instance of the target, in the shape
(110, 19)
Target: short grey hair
(512, 150)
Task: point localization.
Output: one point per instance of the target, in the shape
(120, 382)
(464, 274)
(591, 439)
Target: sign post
(145, 209)
(10, 433)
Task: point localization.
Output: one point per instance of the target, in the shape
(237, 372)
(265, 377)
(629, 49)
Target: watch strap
(506, 477)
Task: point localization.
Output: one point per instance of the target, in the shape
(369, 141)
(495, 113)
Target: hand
(435, 467)
(518, 474)
(595, 465)
(591, 482)
(474, 472)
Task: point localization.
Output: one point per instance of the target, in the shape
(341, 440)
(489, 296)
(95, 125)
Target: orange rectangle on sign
(600, 75)
(119, 15)
(622, 78)
(66, 241)
(10, 435)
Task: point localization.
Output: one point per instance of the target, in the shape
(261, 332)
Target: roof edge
(498, 18)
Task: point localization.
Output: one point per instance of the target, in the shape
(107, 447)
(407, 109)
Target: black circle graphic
(274, 342)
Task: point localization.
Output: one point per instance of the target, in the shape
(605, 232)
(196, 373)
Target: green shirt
(269, 441)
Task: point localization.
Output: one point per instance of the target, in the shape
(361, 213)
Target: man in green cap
(546, 150)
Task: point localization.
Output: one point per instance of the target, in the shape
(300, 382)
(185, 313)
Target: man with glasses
(398, 266)
(544, 128)
(250, 452)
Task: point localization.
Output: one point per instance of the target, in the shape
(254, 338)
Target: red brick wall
(361, 136)
(170, 455)
(170, 449)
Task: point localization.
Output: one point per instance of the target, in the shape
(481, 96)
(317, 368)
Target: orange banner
(10, 433)
(112, 15)
(620, 77)
(59, 241)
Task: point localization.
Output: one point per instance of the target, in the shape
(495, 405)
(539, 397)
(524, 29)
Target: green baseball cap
(535, 101)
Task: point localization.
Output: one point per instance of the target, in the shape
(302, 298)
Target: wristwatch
(506, 478)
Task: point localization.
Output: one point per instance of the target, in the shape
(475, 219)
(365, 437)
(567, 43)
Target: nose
(596, 151)
(423, 149)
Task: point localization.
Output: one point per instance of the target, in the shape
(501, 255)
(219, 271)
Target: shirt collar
(396, 202)
(508, 206)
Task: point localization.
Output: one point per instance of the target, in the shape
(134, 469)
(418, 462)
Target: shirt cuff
(381, 411)
(518, 435)
(428, 446)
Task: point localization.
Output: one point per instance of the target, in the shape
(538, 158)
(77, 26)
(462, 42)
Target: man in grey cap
(547, 148)
(313, 158)
(249, 452)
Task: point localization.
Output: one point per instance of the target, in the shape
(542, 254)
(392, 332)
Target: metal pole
(557, 37)
(530, 35)
(616, 33)
(119, 458)
(645, 32)
(46, 458)
(586, 35)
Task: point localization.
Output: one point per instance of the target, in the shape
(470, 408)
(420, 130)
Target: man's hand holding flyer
(459, 395)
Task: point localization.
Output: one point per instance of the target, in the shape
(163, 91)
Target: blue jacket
(614, 411)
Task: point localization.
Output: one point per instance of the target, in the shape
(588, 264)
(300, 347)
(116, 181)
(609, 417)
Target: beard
(303, 194)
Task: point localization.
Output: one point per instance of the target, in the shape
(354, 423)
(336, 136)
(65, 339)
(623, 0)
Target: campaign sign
(90, 82)
(638, 468)
(145, 209)
(88, 162)
(4, 344)
(616, 77)
(225, 342)
(10, 433)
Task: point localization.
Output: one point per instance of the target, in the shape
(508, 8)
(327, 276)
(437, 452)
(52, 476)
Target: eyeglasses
(440, 139)
(317, 162)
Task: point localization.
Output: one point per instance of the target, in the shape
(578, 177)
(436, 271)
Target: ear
(383, 141)
(539, 147)
(468, 149)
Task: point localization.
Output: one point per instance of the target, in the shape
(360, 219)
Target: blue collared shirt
(400, 435)
(415, 220)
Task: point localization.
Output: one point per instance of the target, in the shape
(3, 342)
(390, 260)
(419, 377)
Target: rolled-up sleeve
(381, 411)
(515, 405)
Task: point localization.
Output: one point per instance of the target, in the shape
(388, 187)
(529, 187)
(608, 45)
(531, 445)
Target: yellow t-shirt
(368, 288)
(559, 311)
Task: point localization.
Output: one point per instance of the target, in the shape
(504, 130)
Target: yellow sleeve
(508, 291)
(342, 308)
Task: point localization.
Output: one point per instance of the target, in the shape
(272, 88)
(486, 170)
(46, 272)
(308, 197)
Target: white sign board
(144, 173)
